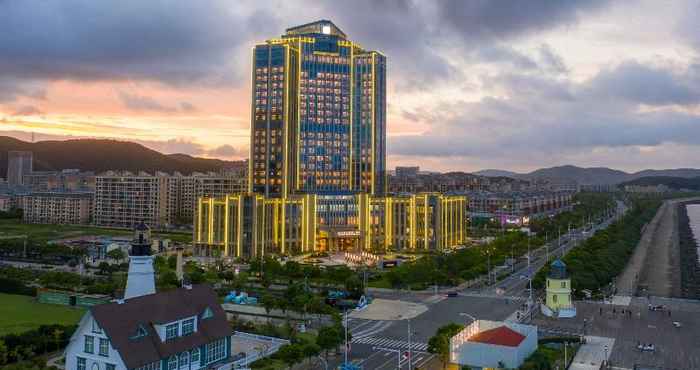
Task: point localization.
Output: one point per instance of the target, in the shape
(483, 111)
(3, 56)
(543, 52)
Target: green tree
(439, 344)
(104, 268)
(290, 354)
(268, 302)
(116, 254)
(3, 352)
(353, 285)
(330, 337)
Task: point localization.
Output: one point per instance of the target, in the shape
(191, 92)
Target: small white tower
(141, 279)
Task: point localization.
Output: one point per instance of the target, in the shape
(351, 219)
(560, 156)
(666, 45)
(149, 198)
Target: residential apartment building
(56, 208)
(123, 199)
(517, 208)
(185, 190)
(19, 163)
(64, 180)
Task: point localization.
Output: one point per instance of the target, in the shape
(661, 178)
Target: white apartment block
(123, 199)
(56, 208)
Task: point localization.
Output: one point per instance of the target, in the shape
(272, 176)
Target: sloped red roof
(502, 336)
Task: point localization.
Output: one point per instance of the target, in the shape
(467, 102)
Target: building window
(89, 344)
(171, 331)
(216, 350)
(104, 347)
(95, 327)
(207, 313)
(172, 363)
(151, 366)
(563, 284)
(110, 367)
(554, 298)
(81, 363)
(195, 355)
(184, 359)
(188, 327)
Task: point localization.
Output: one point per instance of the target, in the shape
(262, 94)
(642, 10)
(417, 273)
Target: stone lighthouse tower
(141, 279)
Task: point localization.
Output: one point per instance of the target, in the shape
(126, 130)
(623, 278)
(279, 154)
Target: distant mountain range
(102, 155)
(591, 175)
(676, 183)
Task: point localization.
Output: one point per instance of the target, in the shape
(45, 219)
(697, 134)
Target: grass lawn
(50, 232)
(20, 313)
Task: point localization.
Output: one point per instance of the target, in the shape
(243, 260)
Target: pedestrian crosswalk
(365, 328)
(391, 343)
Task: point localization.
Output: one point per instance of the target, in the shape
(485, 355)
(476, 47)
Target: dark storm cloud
(419, 36)
(207, 42)
(173, 42)
(27, 110)
(480, 20)
(224, 151)
(142, 103)
(11, 88)
(187, 107)
(640, 83)
(549, 117)
(500, 54)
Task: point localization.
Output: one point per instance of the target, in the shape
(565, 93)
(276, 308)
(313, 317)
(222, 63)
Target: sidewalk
(591, 354)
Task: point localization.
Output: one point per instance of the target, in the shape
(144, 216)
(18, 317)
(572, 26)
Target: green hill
(102, 155)
(676, 183)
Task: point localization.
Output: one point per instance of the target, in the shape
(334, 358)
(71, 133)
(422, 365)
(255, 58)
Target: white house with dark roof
(180, 329)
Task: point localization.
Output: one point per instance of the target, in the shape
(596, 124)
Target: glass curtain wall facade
(317, 175)
(318, 114)
(249, 224)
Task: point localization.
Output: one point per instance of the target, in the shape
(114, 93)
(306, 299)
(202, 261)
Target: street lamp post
(409, 345)
(346, 336)
(605, 360)
(397, 351)
(323, 361)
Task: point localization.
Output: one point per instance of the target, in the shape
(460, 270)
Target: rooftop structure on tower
(141, 278)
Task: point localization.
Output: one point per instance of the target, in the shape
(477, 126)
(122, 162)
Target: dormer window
(188, 327)
(172, 331)
(140, 332)
(207, 313)
(96, 327)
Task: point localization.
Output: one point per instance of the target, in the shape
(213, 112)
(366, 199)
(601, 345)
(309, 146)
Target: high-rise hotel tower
(318, 114)
(317, 176)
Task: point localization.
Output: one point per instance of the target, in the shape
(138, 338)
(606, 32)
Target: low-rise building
(56, 208)
(246, 225)
(184, 328)
(517, 208)
(485, 344)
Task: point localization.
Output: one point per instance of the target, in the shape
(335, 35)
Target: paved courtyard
(676, 348)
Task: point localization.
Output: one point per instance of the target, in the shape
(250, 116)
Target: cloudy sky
(473, 84)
